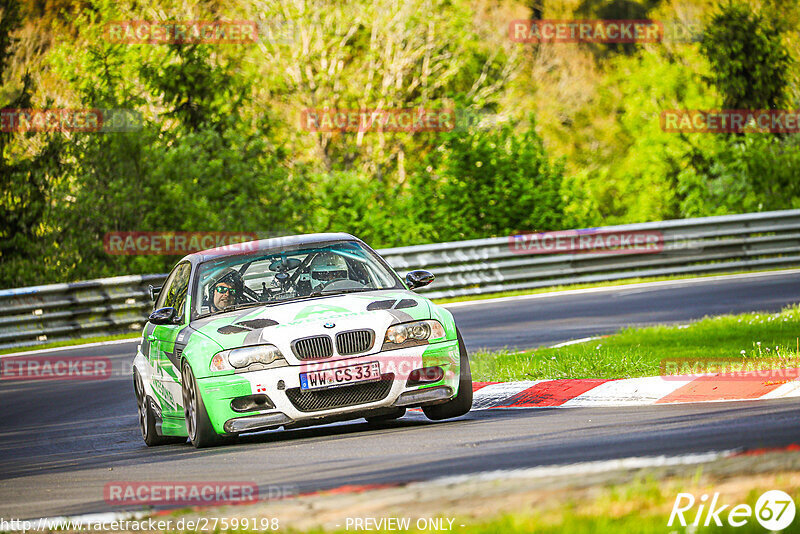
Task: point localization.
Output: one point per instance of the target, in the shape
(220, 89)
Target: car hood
(280, 324)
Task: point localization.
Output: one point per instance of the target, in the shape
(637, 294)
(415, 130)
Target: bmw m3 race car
(289, 332)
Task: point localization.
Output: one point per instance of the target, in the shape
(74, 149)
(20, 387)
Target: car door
(167, 379)
(151, 346)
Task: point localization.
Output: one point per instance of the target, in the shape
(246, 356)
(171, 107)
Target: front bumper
(293, 406)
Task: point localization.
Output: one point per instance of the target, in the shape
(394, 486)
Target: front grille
(354, 341)
(313, 348)
(340, 397)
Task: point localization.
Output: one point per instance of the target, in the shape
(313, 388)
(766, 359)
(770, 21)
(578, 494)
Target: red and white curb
(569, 393)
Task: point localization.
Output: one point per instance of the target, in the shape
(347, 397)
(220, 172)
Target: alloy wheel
(189, 402)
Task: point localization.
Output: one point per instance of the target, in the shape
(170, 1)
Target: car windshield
(327, 269)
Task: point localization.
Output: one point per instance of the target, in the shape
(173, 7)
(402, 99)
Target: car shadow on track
(128, 449)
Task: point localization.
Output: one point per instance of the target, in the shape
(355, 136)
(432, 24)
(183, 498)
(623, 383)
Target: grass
(634, 352)
(642, 506)
(634, 522)
(611, 283)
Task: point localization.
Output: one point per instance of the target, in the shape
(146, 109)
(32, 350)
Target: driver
(327, 267)
(226, 290)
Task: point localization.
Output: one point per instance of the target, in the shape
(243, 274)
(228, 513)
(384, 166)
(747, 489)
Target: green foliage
(754, 172)
(197, 166)
(361, 205)
(631, 166)
(490, 183)
(751, 68)
(196, 91)
(632, 170)
(27, 171)
(9, 21)
(750, 65)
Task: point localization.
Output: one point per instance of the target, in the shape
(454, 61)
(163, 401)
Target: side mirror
(153, 292)
(419, 278)
(163, 316)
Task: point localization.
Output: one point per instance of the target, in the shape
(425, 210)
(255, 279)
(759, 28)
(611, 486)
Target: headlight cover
(244, 357)
(411, 334)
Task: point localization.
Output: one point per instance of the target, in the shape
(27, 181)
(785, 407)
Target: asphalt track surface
(62, 441)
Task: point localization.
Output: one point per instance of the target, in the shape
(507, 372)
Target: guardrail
(34, 315)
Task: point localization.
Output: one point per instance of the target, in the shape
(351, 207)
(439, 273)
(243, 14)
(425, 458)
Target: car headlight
(410, 334)
(245, 356)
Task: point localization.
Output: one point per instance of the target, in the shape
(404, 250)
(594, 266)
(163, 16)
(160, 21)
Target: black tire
(396, 414)
(147, 418)
(198, 425)
(462, 403)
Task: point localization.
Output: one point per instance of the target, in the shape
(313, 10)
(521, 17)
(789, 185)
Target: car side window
(182, 289)
(175, 289)
(164, 293)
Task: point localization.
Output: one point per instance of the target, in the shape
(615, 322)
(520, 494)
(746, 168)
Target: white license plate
(341, 376)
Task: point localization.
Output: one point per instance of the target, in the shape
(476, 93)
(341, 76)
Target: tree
(195, 163)
(29, 165)
(378, 55)
(752, 70)
(486, 183)
(750, 66)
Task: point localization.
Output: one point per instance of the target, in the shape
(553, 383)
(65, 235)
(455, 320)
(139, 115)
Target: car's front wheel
(462, 403)
(198, 425)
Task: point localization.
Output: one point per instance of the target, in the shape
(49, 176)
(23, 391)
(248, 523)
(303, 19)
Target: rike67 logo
(774, 511)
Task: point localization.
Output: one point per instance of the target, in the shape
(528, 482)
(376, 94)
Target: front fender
(198, 352)
(446, 318)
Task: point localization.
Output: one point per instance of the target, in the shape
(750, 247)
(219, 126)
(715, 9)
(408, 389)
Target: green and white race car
(289, 332)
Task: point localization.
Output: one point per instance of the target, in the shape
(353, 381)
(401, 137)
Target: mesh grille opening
(340, 397)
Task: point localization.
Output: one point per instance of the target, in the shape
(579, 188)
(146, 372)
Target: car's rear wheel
(462, 403)
(198, 425)
(147, 418)
(396, 414)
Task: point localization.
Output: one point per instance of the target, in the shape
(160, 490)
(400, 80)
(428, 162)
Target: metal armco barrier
(34, 315)
(41, 314)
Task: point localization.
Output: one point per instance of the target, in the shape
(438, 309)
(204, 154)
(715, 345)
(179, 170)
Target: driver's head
(326, 267)
(226, 290)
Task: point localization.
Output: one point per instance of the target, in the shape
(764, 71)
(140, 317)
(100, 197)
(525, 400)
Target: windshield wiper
(323, 293)
(340, 291)
(233, 307)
